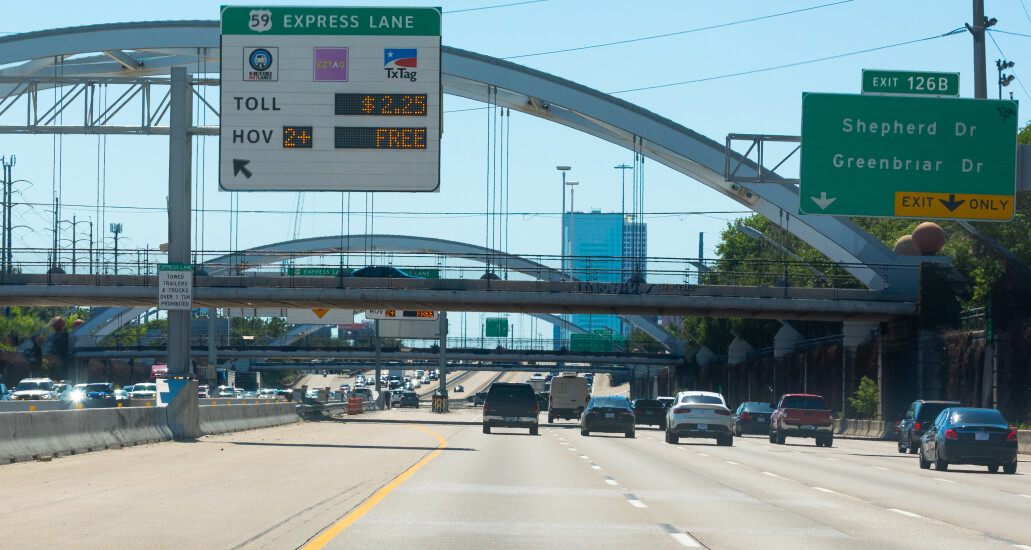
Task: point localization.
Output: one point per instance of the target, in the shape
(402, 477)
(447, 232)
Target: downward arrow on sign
(952, 204)
(823, 202)
(320, 313)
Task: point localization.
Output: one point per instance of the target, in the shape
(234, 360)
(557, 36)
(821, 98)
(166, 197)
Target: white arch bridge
(80, 58)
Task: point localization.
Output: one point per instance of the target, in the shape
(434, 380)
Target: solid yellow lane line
(329, 534)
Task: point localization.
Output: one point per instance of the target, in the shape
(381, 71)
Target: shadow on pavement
(348, 420)
(329, 446)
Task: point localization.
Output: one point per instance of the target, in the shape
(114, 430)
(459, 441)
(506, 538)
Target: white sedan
(700, 414)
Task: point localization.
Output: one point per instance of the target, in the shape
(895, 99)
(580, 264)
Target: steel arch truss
(135, 49)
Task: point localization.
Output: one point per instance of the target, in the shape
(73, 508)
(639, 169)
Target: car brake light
(916, 426)
(484, 406)
(681, 410)
(1012, 436)
(746, 416)
(949, 434)
(722, 413)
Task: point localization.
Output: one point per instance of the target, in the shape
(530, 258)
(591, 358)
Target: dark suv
(917, 419)
(510, 406)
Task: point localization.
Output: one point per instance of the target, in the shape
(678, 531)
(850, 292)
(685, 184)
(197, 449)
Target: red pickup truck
(802, 415)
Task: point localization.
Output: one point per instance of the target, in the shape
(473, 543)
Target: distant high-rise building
(603, 248)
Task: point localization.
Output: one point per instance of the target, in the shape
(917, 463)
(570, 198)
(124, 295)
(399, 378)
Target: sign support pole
(379, 357)
(443, 354)
(179, 159)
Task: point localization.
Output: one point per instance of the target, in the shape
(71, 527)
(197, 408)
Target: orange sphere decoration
(57, 324)
(77, 323)
(928, 238)
(905, 247)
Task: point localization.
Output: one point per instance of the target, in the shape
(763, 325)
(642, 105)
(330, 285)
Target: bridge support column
(179, 213)
(854, 334)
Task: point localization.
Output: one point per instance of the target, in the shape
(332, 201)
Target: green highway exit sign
(910, 83)
(917, 157)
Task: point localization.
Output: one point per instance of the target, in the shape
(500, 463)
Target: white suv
(699, 414)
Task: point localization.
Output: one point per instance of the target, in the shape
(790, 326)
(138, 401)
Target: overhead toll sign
(330, 99)
(910, 83)
(413, 315)
(884, 156)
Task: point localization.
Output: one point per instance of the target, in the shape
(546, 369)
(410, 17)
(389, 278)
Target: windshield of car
(976, 416)
(96, 387)
(756, 407)
(928, 411)
(617, 402)
(145, 387)
(648, 404)
(702, 399)
(812, 402)
(25, 386)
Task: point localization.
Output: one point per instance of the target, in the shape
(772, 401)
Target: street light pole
(572, 223)
(562, 233)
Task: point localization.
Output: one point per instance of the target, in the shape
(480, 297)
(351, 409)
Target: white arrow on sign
(823, 202)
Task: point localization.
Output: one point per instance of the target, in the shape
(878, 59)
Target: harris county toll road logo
(330, 64)
(400, 62)
(261, 64)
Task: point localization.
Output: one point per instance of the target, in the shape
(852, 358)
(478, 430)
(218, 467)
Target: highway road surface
(413, 479)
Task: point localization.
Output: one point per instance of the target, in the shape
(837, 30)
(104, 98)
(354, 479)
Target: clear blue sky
(758, 101)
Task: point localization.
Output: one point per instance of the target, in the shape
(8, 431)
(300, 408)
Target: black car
(409, 399)
(650, 412)
(511, 405)
(611, 413)
(479, 398)
(382, 271)
(969, 436)
(917, 419)
(752, 417)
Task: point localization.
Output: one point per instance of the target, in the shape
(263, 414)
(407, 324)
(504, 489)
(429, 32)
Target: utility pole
(91, 246)
(116, 228)
(980, 64)
(5, 250)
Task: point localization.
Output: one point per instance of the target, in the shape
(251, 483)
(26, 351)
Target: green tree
(864, 400)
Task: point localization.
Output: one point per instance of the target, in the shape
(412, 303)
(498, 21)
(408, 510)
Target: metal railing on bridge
(593, 269)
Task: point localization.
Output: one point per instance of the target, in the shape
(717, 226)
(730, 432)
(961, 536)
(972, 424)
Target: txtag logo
(399, 62)
(261, 64)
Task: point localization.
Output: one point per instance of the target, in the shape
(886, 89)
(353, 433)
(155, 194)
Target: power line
(497, 6)
(990, 31)
(677, 33)
(789, 65)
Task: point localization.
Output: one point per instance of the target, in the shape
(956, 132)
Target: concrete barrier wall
(216, 419)
(28, 435)
(862, 429)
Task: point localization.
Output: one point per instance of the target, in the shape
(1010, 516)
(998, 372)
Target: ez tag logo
(260, 21)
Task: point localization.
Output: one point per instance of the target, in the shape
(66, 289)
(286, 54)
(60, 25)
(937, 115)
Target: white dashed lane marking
(683, 538)
(610, 481)
(945, 480)
(879, 468)
(633, 501)
(905, 513)
(731, 462)
(595, 466)
(771, 474)
(825, 490)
